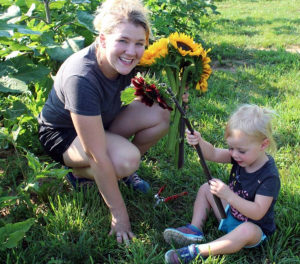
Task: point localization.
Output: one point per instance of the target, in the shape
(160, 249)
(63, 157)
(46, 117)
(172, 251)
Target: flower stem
(200, 154)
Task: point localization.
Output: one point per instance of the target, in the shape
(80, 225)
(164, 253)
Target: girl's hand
(220, 189)
(193, 139)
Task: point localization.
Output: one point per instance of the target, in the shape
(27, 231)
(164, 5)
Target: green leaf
(86, 19)
(12, 11)
(127, 96)
(15, 132)
(12, 85)
(7, 30)
(57, 4)
(6, 2)
(17, 72)
(11, 234)
(67, 48)
(14, 238)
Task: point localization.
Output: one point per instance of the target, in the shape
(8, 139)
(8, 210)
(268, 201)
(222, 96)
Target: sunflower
(185, 44)
(155, 51)
(206, 72)
(149, 93)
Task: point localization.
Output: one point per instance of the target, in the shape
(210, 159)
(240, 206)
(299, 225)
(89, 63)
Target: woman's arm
(92, 136)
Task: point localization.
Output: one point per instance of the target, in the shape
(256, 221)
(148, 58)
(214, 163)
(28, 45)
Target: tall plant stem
(200, 154)
(179, 157)
(47, 11)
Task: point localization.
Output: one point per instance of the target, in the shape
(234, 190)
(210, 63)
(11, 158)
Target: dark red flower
(149, 93)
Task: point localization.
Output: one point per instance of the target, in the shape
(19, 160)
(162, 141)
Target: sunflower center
(184, 46)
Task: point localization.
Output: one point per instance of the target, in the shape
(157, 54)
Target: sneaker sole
(172, 236)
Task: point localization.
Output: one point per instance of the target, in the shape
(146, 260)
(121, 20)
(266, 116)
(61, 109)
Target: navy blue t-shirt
(264, 181)
(80, 87)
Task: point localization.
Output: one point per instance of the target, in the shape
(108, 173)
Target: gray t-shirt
(264, 181)
(80, 87)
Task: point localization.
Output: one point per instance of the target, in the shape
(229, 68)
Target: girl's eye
(242, 152)
(122, 41)
(140, 44)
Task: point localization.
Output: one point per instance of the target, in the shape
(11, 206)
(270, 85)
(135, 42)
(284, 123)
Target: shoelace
(135, 179)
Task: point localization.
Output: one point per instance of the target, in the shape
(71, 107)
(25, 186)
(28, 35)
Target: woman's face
(122, 49)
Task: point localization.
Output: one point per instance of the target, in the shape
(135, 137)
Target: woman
(83, 125)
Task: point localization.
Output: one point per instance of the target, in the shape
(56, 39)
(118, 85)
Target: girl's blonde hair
(113, 12)
(255, 122)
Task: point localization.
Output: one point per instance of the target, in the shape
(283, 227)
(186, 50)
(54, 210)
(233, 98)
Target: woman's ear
(102, 41)
(265, 144)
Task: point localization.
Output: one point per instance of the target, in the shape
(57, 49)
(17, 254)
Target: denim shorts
(230, 223)
(55, 141)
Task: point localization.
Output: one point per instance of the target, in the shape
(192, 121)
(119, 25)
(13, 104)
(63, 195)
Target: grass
(251, 65)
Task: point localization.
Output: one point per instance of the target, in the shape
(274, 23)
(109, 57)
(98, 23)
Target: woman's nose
(130, 50)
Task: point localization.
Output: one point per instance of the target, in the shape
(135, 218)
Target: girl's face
(122, 49)
(247, 151)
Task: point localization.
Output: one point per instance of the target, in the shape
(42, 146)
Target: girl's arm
(254, 210)
(92, 136)
(210, 153)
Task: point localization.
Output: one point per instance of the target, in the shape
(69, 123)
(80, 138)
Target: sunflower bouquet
(179, 62)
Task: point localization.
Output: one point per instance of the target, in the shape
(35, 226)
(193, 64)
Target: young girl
(83, 125)
(249, 198)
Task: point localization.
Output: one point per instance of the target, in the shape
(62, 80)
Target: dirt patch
(294, 49)
(5, 153)
(291, 49)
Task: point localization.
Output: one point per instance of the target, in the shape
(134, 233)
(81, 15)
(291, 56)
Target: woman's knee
(126, 161)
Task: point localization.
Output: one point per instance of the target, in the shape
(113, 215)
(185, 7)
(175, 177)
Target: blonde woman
(83, 125)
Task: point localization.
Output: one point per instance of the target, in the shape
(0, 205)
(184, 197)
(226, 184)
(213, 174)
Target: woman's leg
(246, 234)
(123, 154)
(147, 124)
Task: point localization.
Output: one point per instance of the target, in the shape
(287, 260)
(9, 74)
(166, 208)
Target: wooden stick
(200, 154)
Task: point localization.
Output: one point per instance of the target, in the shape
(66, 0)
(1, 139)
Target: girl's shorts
(55, 141)
(230, 223)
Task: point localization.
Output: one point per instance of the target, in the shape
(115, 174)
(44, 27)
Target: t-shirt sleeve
(269, 187)
(82, 97)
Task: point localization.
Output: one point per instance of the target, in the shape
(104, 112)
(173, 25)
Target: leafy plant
(170, 16)
(11, 234)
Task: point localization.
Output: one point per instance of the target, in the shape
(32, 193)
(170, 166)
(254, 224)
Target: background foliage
(43, 221)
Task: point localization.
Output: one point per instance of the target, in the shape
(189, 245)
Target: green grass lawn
(251, 64)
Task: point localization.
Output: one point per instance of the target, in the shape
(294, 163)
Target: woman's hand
(193, 139)
(185, 97)
(120, 226)
(220, 189)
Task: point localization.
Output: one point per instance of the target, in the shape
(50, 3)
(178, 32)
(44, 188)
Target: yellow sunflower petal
(185, 44)
(157, 50)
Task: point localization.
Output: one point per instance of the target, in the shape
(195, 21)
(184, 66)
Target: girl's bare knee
(250, 233)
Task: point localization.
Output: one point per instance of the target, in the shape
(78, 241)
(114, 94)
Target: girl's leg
(246, 234)
(147, 124)
(123, 154)
(203, 204)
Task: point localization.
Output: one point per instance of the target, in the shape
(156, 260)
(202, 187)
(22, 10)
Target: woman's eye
(140, 44)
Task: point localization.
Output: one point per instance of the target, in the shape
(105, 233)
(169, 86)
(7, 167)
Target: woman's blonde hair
(253, 121)
(113, 12)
